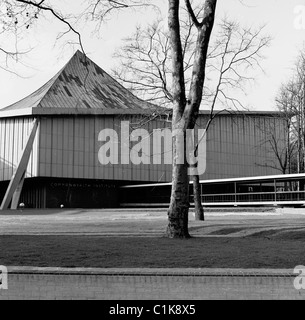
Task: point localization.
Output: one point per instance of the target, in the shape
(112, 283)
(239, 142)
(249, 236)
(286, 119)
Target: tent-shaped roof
(81, 87)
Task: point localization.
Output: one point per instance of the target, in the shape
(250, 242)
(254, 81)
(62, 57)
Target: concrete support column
(15, 187)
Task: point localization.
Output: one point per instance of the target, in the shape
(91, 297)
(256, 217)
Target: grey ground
(148, 222)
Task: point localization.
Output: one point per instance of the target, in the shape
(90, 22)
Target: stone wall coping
(185, 272)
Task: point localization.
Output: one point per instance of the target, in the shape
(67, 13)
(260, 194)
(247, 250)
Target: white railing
(260, 197)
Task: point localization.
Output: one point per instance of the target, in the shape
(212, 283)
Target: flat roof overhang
(282, 178)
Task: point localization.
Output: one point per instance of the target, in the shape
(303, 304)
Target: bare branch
(192, 14)
(57, 15)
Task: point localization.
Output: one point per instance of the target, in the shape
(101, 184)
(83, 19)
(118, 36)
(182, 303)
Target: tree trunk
(199, 212)
(178, 212)
(179, 207)
(185, 111)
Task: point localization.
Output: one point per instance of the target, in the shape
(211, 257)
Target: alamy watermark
(299, 21)
(299, 281)
(156, 148)
(3, 278)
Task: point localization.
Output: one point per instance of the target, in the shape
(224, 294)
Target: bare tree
(14, 21)
(145, 61)
(278, 139)
(288, 146)
(18, 16)
(297, 91)
(145, 67)
(185, 106)
(286, 157)
(290, 102)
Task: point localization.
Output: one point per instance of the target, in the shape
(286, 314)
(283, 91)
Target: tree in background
(296, 89)
(278, 139)
(290, 102)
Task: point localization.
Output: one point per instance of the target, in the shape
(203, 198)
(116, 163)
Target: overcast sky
(46, 59)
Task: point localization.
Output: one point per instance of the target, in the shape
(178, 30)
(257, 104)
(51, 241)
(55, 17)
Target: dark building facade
(71, 110)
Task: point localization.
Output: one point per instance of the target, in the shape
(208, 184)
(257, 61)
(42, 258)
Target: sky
(283, 20)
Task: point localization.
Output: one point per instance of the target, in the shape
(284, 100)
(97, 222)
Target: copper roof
(81, 85)
(83, 88)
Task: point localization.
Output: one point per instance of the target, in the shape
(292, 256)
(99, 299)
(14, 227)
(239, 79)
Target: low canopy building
(51, 142)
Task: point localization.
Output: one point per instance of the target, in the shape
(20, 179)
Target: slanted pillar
(15, 187)
(17, 194)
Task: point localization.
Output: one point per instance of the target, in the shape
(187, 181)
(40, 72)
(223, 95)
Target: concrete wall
(150, 284)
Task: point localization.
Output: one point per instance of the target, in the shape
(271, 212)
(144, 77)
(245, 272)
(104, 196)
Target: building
(49, 141)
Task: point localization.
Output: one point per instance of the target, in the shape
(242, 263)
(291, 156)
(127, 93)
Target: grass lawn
(259, 251)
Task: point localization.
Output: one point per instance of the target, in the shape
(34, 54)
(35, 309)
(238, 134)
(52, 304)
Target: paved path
(151, 284)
